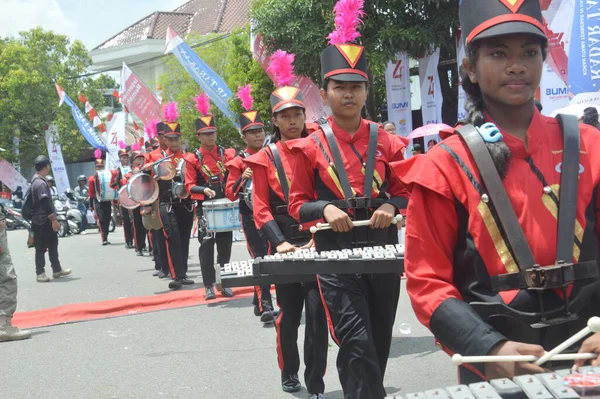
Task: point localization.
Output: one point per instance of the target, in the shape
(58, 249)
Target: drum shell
(178, 190)
(104, 192)
(140, 194)
(125, 201)
(222, 215)
(165, 170)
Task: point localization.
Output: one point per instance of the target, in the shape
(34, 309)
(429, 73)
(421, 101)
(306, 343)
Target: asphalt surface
(215, 350)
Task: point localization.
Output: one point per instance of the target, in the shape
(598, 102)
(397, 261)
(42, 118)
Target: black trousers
(139, 231)
(257, 247)
(177, 221)
(45, 239)
(159, 250)
(291, 298)
(104, 213)
(127, 223)
(361, 311)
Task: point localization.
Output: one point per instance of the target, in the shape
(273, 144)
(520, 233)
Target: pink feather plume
(136, 147)
(245, 95)
(202, 103)
(122, 144)
(280, 65)
(151, 129)
(170, 112)
(98, 153)
(348, 14)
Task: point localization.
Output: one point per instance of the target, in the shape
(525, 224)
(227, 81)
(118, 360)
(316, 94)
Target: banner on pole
(137, 97)
(584, 49)
(315, 106)
(115, 132)
(397, 84)
(462, 96)
(431, 90)
(11, 177)
(554, 93)
(203, 74)
(88, 132)
(59, 171)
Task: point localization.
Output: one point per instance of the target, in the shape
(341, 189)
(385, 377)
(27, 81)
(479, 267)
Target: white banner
(397, 84)
(554, 93)
(462, 96)
(115, 132)
(59, 172)
(10, 177)
(431, 90)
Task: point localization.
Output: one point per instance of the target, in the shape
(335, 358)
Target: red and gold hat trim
(513, 5)
(346, 70)
(287, 92)
(284, 102)
(503, 19)
(351, 52)
(250, 115)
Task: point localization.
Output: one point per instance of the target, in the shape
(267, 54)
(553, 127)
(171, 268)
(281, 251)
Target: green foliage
(29, 66)
(390, 27)
(231, 59)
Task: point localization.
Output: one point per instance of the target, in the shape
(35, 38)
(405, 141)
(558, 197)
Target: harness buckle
(550, 277)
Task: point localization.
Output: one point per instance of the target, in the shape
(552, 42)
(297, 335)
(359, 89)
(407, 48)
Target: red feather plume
(280, 65)
(170, 112)
(150, 128)
(136, 147)
(348, 14)
(98, 153)
(202, 103)
(245, 95)
(122, 144)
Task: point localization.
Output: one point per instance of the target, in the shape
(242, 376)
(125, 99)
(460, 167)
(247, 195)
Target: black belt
(541, 278)
(358, 203)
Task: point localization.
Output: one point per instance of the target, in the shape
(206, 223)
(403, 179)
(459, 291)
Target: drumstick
(459, 359)
(593, 326)
(359, 223)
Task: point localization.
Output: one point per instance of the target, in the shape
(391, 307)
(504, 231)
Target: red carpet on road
(119, 307)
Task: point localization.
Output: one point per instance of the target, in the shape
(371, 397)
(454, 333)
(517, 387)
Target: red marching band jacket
(236, 167)
(213, 164)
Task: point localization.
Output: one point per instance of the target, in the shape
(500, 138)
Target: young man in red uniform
(205, 180)
(240, 176)
(342, 174)
(139, 231)
(103, 209)
(473, 258)
(272, 172)
(116, 183)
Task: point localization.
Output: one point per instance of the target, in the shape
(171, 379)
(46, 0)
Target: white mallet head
(594, 324)
(457, 359)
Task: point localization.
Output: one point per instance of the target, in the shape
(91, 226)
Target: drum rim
(127, 206)
(154, 195)
(171, 167)
(107, 175)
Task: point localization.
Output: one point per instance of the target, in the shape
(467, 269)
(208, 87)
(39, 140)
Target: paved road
(195, 352)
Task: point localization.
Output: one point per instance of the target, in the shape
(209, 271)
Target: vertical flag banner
(397, 84)
(554, 93)
(315, 106)
(462, 96)
(431, 90)
(11, 177)
(584, 49)
(208, 80)
(82, 123)
(115, 132)
(59, 171)
(136, 96)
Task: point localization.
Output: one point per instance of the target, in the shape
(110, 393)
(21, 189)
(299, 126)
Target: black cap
(286, 97)
(160, 128)
(41, 162)
(172, 129)
(344, 63)
(481, 19)
(251, 120)
(205, 124)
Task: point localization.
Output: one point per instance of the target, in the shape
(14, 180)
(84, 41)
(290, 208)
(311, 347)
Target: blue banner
(208, 80)
(584, 49)
(84, 125)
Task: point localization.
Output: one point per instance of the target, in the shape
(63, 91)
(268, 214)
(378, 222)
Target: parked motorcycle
(14, 219)
(60, 206)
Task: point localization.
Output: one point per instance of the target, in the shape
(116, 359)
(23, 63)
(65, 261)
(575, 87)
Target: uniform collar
(535, 137)
(214, 151)
(249, 151)
(342, 135)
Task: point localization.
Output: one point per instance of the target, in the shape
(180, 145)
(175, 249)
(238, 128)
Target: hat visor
(509, 28)
(169, 135)
(348, 77)
(207, 131)
(288, 105)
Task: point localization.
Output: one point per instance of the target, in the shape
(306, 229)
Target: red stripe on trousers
(329, 322)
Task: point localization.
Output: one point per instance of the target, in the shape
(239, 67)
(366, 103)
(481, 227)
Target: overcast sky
(91, 21)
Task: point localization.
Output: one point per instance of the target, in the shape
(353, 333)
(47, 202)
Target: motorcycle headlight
(58, 206)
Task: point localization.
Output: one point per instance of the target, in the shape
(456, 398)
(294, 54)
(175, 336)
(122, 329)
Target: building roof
(195, 16)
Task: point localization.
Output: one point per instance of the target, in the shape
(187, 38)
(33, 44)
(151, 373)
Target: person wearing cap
(102, 209)
(361, 308)
(475, 255)
(272, 172)
(205, 180)
(176, 214)
(44, 223)
(139, 231)
(417, 149)
(118, 181)
(83, 199)
(239, 186)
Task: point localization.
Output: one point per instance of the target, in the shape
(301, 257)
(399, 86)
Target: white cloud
(22, 15)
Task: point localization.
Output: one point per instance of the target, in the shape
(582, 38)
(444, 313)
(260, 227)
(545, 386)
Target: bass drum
(143, 189)
(124, 199)
(104, 192)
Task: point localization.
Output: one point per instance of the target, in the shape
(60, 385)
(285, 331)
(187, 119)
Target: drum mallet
(459, 359)
(593, 326)
(359, 223)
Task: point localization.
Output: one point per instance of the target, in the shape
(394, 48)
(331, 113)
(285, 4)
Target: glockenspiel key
(533, 387)
(554, 383)
(460, 392)
(483, 390)
(416, 395)
(507, 389)
(227, 267)
(437, 394)
(235, 266)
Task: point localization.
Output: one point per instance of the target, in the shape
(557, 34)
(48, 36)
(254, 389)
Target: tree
(29, 66)
(231, 59)
(390, 27)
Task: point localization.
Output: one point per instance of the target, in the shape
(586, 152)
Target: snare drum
(143, 189)
(222, 215)
(124, 199)
(165, 170)
(104, 192)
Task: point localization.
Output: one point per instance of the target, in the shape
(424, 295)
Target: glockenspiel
(538, 386)
(304, 265)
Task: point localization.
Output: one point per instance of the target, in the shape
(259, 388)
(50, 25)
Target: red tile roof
(195, 16)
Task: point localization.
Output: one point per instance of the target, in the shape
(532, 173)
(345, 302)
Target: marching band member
(342, 174)
(205, 179)
(102, 209)
(139, 231)
(272, 171)
(253, 134)
(177, 215)
(117, 181)
(473, 257)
